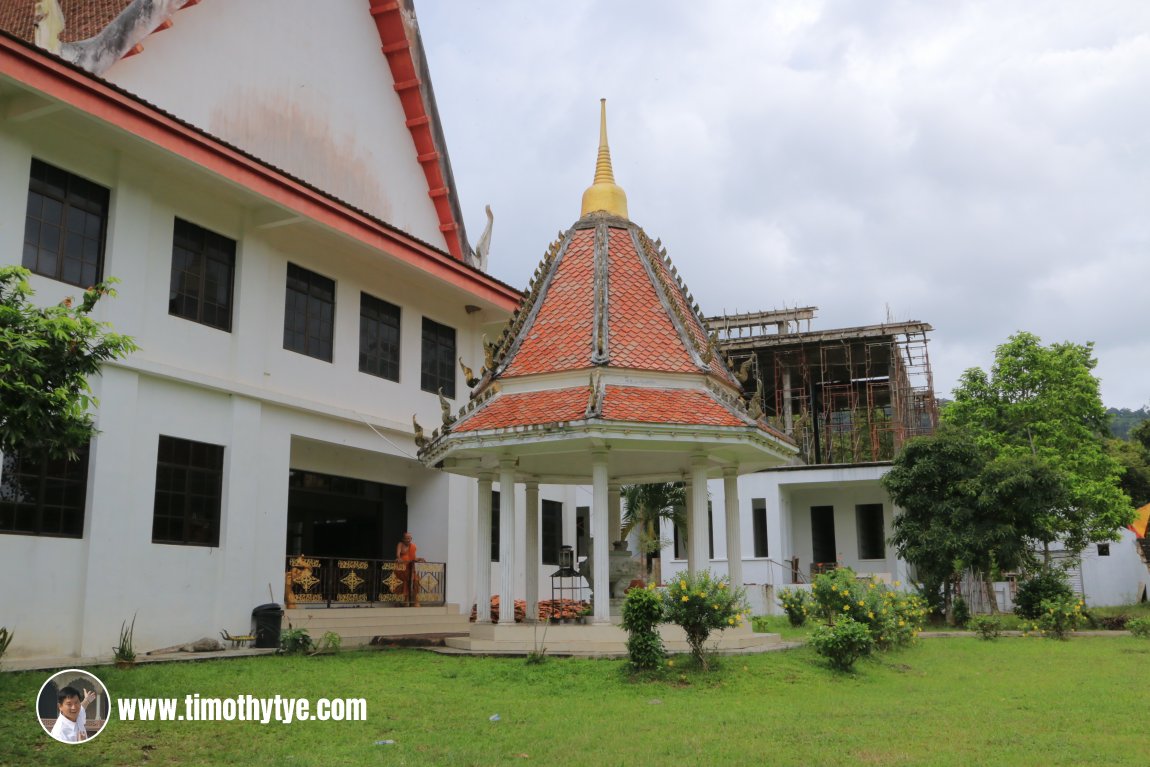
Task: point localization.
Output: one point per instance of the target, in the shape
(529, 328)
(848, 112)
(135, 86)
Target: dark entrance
(823, 534)
(331, 516)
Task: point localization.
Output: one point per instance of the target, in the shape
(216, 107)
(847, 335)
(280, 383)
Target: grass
(942, 702)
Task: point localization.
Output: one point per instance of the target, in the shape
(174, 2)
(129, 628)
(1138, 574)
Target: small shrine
(604, 376)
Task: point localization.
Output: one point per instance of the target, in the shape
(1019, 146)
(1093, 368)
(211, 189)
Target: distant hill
(1122, 420)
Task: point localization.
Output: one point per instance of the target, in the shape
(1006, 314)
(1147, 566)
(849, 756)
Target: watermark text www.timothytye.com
(242, 708)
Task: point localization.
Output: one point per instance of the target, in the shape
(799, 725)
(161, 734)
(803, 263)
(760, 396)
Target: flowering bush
(642, 614)
(796, 604)
(892, 617)
(1139, 627)
(836, 593)
(842, 642)
(702, 603)
(1060, 616)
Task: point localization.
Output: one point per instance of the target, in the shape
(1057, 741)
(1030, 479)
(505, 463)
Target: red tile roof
(528, 409)
(560, 337)
(675, 406)
(83, 18)
(641, 334)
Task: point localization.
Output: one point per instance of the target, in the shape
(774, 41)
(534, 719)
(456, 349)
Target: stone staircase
(358, 626)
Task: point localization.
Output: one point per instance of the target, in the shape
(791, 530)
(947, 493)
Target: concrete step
(359, 626)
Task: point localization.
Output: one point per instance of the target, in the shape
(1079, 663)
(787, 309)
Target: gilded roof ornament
(604, 194)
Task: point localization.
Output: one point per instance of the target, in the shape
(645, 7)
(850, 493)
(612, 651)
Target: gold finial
(604, 194)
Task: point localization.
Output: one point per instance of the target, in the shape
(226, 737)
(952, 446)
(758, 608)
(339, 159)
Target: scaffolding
(850, 395)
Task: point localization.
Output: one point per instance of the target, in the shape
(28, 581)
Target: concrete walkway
(63, 661)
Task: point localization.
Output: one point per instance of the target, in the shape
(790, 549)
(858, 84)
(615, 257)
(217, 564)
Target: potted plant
(585, 614)
(124, 654)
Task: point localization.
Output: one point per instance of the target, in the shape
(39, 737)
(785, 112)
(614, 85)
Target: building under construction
(849, 395)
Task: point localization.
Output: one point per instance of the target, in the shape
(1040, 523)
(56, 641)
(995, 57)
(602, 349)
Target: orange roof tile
(560, 336)
(675, 406)
(83, 18)
(527, 409)
(641, 334)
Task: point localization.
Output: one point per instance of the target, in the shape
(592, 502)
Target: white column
(599, 534)
(699, 540)
(531, 556)
(614, 512)
(734, 539)
(507, 542)
(483, 552)
(689, 502)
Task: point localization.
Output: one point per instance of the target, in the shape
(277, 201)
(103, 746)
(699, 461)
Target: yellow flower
(722, 585)
(862, 603)
(670, 663)
(731, 621)
(834, 587)
(901, 623)
(871, 586)
(846, 607)
(897, 584)
(870, 615)
(715, 606)
(682, 584)
(685, 597)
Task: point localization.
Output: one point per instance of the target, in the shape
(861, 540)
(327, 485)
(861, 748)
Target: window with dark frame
(759, 523)
(203, 272)
(309, 313)
(437, 363)
(681, 551)
(872, 536)
(551, 528)
(1104, 549)
(43, 496)
(189, 492)
(64, 226)
(378, 337)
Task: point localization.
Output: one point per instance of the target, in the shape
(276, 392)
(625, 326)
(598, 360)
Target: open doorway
(330, 516)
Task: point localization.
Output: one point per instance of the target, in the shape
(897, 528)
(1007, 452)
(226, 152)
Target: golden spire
(604, 194)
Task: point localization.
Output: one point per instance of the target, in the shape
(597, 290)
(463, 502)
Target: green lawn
(945, 701)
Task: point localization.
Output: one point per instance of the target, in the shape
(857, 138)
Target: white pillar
(599, 534)
(483, 552)
(507, 541)
(700, 554)
(734, 539)
(531, 556)
(689, 502)
(614, 512)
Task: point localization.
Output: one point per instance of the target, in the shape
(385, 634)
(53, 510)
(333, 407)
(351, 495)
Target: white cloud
(982, 166)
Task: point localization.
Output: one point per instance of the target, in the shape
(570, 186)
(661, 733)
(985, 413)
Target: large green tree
(47, 355)
(1043, 401)
(964, 507)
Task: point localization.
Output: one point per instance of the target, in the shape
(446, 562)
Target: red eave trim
(397, 51)
(60, 81)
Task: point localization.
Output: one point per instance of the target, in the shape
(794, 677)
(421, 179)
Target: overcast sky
(981, 166)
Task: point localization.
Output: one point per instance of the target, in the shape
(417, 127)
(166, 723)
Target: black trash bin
(267, 619)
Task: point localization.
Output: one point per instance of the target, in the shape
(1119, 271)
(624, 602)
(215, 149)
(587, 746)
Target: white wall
(300, 84)
(1118, 579)
(267, 406)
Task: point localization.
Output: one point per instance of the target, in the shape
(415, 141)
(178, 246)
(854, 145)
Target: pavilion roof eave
(556, 452)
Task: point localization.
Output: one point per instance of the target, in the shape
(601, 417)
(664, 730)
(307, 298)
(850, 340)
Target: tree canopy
(47, 355)
(1043, 402)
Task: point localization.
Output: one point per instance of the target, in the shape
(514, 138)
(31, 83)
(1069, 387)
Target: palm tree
(647, 506)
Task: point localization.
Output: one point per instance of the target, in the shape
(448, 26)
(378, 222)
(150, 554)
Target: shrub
(642, 614)
(836, 593)
(796, 604)
(1047, 584)
(125, 652)
(842, 642)
(295, 640)
(988, 626)
(1139, 627)
(1107, 622)
(700, 604)
(1060, 616)
(961, 612)
(330, 642)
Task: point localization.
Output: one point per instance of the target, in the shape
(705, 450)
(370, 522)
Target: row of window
(47, 497)
(868, 522)
(64, 236)
(551, 530)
